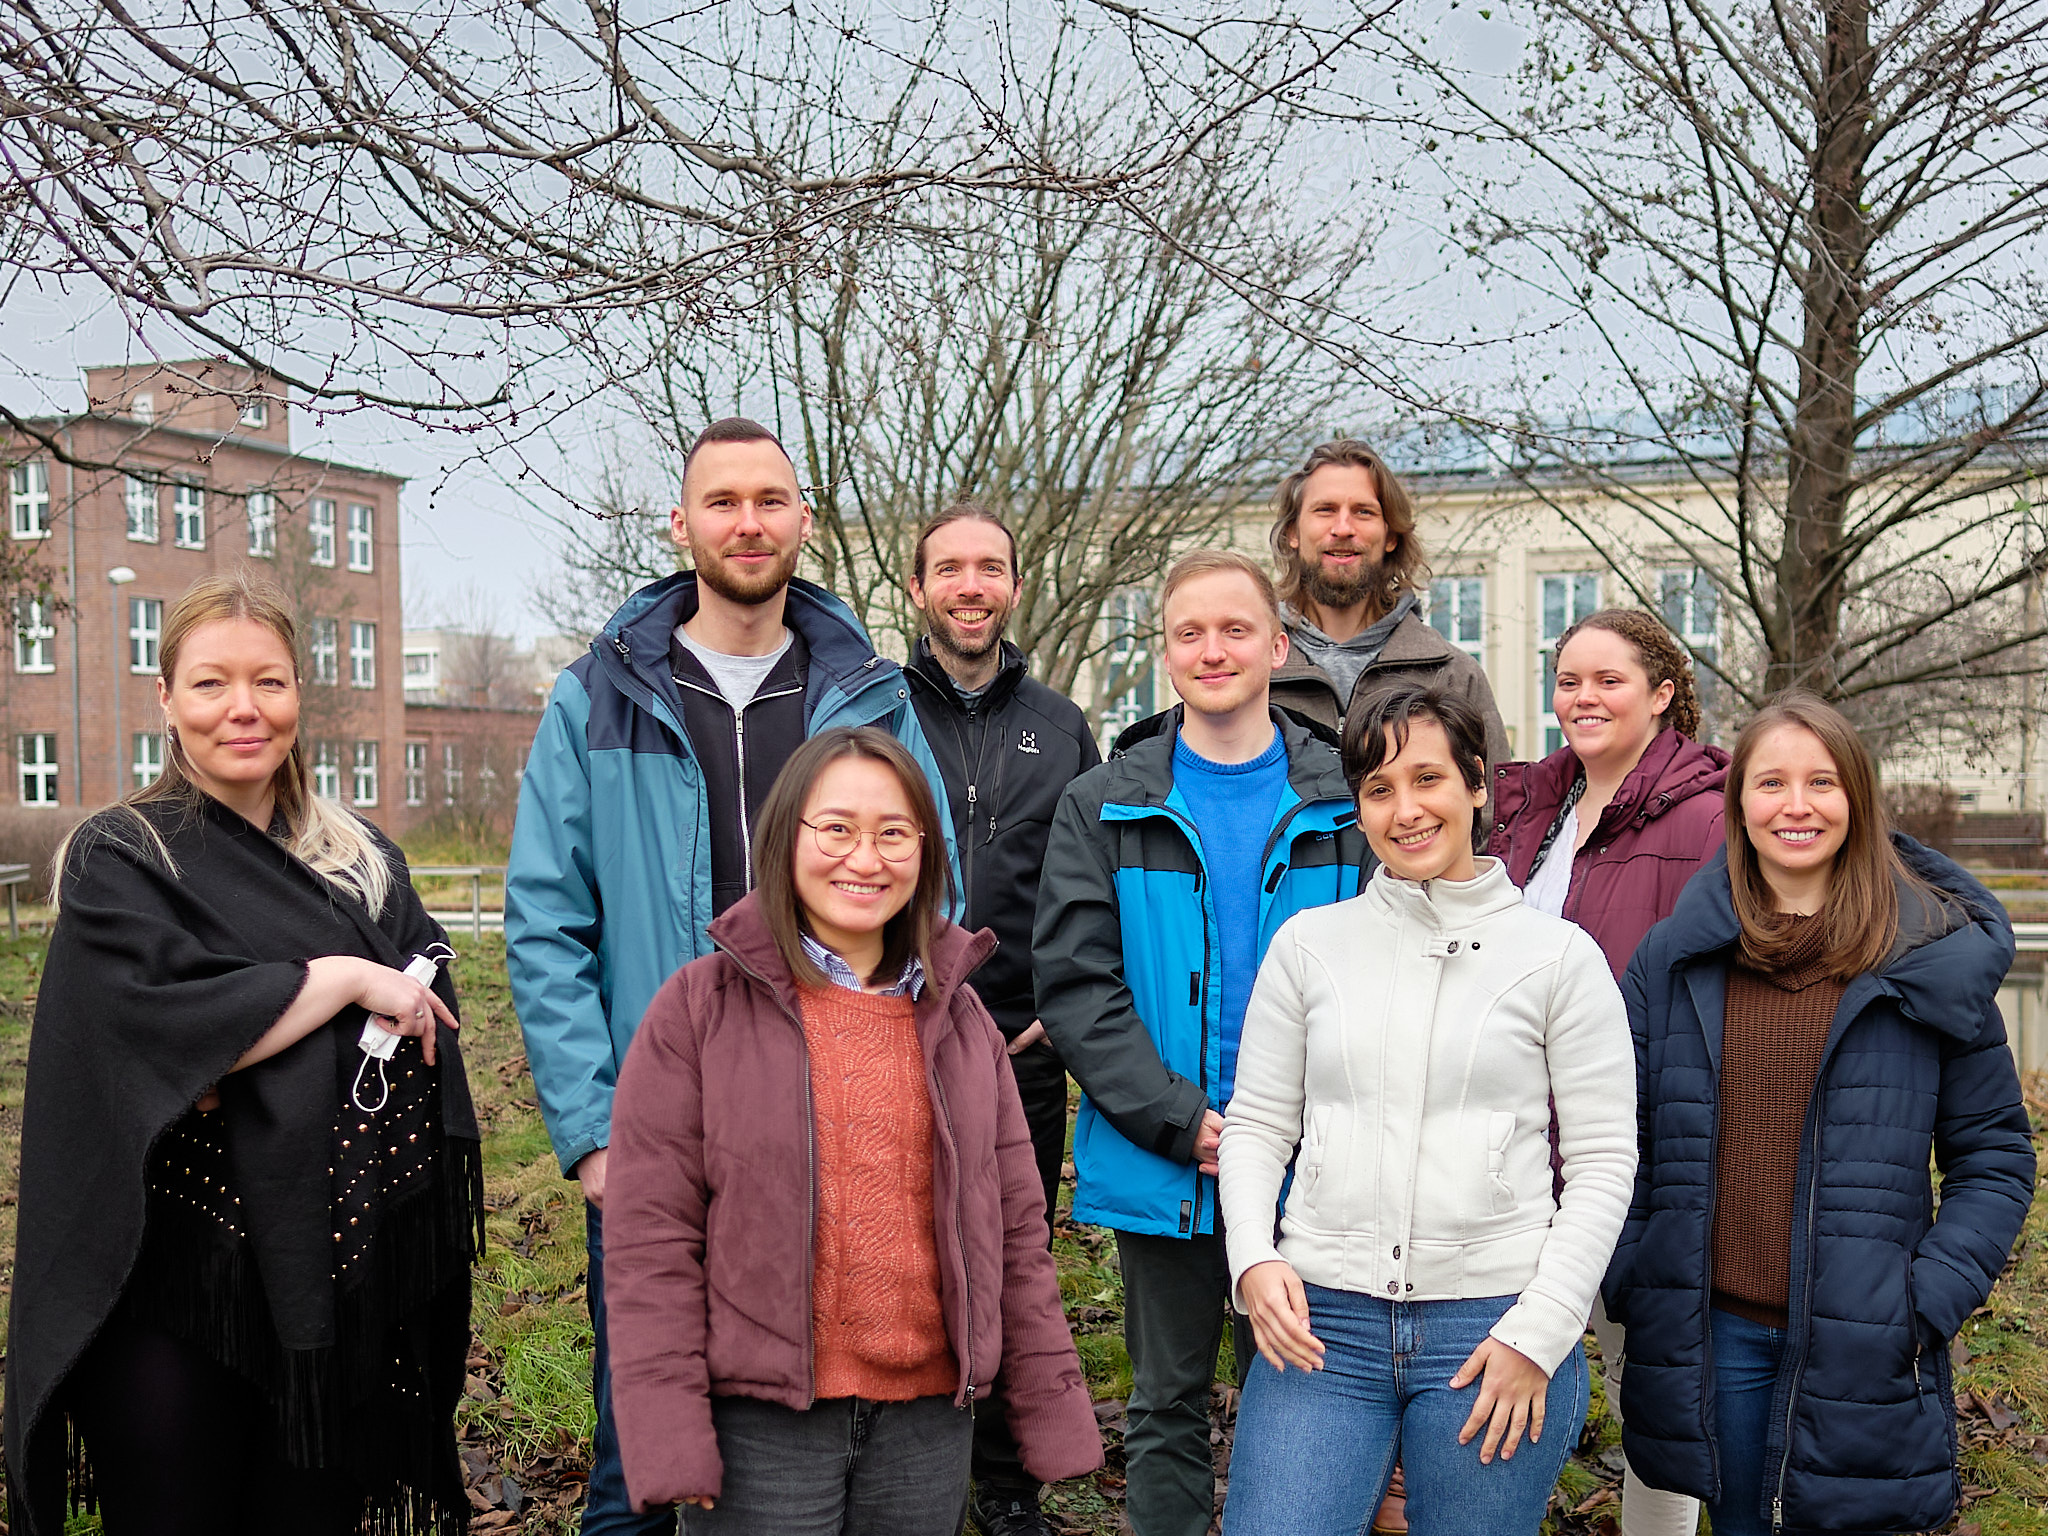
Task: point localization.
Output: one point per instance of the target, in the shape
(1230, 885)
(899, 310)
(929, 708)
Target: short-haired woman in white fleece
(1427, 1293)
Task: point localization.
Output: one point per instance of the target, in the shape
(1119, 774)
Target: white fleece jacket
(1408, 1042)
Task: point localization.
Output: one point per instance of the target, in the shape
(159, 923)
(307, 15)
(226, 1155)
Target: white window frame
(142, 407)
(29, 500)
(451, 772)
(35, 637)
(145, 635)
(1129, 660)
(362, 654)
(1457, 611)
(35, 756)
(363, 774)
(1578, 595)
(262, 509)
(362, 549)
(144, 502)
(320, 530)
(327, 770)
(415, 773)
(188, 514)
(323, 650)
(1689, 603)
(148, 758)
(255, 412)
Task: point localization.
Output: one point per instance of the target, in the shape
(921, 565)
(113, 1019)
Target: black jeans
(1042, 1085)
(177, 1446)
(843, 1467)
(1176, 1297)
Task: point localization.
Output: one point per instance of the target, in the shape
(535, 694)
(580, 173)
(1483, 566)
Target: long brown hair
(909, 932)
(326, 836)
(1659, 654)
(1860, 916)
(1404, 566)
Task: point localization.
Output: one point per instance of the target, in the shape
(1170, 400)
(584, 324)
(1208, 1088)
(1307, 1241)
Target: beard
(947, 638)
(737, 586)
(1328, 588)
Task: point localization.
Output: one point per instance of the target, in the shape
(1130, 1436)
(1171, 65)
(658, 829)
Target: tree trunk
(1811, 576)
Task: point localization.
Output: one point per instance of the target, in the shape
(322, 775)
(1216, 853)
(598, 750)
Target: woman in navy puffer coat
(1860, 1430)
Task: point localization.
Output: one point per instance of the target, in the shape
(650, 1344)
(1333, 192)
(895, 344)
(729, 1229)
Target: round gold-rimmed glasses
(838, 839)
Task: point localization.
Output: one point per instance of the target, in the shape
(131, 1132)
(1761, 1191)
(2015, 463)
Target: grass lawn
(526, 1420)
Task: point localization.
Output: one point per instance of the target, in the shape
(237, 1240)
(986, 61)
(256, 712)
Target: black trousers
(178, 1447)
(1042, 1085)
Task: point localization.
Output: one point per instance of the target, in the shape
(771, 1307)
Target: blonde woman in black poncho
(241, 1277)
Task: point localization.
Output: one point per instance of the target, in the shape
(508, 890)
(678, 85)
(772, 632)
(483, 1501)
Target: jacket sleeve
(554, 924)
(1077, 958)
(1986, 1157)
(1266, 1107)
(1589, 1056)
(1044, 1396)
(1635, 998)
(657, 1314)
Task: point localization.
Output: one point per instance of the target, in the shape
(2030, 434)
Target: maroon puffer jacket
(709, 1204)
(1660, 827)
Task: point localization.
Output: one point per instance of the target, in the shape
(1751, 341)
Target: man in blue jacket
(638, 802)
(1168, 870)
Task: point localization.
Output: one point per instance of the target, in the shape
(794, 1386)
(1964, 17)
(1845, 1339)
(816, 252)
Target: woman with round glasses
(824, 1232)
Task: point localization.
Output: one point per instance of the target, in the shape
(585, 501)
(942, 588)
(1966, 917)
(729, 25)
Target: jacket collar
(1952, 952)
(742, 932)
(925, 669)
(1673, 768)
(1412, 642)
(1141, 771)
(1446, 904)
(638, 634)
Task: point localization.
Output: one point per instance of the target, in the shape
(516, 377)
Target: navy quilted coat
(1916, 1062)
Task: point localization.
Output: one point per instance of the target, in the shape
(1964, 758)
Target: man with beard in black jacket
(1007, 745)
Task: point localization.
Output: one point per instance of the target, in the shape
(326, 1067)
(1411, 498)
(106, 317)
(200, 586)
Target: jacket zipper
(739, 738)
(1806, 1303)
(960, 1237)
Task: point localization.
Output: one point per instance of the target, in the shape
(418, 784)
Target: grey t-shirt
(738, 678)
(1346, 660)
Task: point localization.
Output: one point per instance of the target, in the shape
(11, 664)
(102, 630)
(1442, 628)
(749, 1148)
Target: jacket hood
(1141, 761)
(925, 668)
(742, 932)
(1673, 769)
(638, 634)
(1946, 965)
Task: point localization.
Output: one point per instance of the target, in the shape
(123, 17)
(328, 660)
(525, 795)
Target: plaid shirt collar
(909, 984)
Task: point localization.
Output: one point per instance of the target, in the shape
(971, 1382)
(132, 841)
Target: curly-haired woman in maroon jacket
(825, 1232)
(1606, 831)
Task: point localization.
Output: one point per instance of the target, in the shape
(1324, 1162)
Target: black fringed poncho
(321, 1252)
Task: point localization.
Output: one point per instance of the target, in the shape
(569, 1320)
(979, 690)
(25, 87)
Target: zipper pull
(991, 829)
(970, 794)
(1778, 1514)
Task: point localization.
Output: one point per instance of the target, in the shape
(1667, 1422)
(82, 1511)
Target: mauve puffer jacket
(708, 1212)
(1663, 823)
(1863, 1432)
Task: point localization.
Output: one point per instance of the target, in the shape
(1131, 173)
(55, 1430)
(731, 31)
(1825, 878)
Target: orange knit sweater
(878, 1329)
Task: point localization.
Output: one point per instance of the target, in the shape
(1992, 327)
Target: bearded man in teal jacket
(638, 799)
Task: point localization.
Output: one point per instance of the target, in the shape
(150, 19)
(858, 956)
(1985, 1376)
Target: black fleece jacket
(1005, 759)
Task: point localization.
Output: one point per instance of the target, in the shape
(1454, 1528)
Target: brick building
(200, 476)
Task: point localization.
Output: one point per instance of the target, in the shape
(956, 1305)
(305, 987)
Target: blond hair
(329, 838)
(1209, 562)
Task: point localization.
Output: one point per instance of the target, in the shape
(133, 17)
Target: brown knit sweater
(877, 1326)
(1772, 1035)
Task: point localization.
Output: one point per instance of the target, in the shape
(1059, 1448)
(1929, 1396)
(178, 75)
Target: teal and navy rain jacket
(609, 886)
(1127, 962)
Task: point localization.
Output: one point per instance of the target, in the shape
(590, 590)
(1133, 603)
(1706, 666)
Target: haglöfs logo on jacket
(1028, 742)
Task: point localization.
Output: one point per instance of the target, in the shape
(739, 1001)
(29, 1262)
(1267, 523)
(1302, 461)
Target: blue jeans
(842, 1467)
(1314, 1449)
(606, 1509)
(1746, 1359)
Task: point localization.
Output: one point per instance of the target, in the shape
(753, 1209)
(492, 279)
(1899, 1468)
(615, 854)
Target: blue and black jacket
(609, 885)
(1127, 962)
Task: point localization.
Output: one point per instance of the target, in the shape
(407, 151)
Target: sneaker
(998, 1512)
